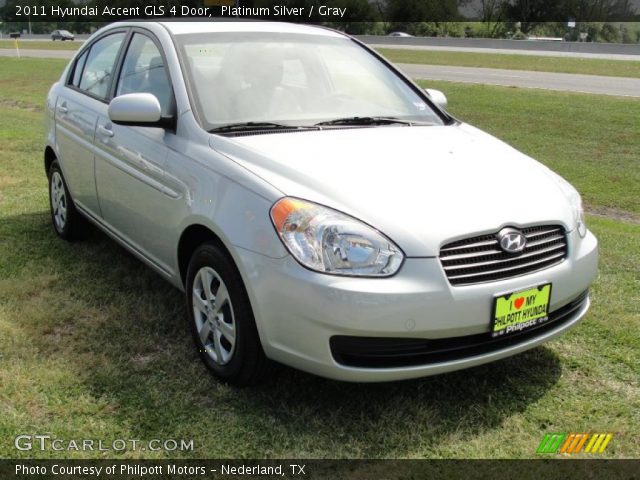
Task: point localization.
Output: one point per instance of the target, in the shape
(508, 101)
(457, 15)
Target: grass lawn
(589, 66)
(95, 345)
(42, 44)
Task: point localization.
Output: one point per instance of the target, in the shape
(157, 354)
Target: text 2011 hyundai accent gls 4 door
(317, 207)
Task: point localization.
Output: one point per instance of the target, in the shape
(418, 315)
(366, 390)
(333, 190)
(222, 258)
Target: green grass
(93, 344)
(588, 66)
(42, 44)
(24, 82)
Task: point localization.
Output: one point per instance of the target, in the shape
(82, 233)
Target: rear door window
(100, 64)
(77, 69)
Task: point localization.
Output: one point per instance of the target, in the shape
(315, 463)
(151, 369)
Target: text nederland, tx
(181, 11)
(170, 469)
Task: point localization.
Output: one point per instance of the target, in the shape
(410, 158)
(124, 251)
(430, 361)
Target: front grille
(374, 352)
(480, 259)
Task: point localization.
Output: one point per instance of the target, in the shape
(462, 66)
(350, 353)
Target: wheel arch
(49, 157)
(191, 238)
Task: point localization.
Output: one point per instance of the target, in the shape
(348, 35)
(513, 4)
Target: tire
(67, 222)
(225, 333)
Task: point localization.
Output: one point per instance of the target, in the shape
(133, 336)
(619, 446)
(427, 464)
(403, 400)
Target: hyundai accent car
(317, 207)
(62, 35)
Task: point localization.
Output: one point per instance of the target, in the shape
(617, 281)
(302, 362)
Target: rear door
(77, 109)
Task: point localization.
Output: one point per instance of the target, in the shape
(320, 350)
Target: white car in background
(317, 208)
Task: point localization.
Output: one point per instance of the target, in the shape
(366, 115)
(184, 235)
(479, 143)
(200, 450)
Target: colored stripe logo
(573, 443)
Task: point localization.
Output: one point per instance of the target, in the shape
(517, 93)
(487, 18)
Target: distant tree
(533, 12)
(408, 11)
(551, 29)
(493, 13)
(361, 16)
(609, 33)
(599, 10)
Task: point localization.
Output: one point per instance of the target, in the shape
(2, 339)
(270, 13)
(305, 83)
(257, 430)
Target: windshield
(293, 79)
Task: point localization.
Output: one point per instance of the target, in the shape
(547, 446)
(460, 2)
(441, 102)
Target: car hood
(421, 186)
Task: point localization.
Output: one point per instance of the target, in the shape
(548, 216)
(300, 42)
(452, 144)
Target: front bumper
(298, 311)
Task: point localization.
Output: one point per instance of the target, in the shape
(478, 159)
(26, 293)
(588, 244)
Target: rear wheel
(66, 220)
(221, 319)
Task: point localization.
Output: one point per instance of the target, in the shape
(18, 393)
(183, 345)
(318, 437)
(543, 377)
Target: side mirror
(437, 97)
(136, 109)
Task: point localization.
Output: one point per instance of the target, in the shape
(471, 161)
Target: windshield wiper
(248, 126)
(368, 121)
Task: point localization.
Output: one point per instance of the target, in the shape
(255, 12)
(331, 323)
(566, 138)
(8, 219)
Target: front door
(129, 171)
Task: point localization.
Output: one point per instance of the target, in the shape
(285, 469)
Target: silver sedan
(317, 208)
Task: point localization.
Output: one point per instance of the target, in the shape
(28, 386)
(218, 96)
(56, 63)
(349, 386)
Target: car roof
(182, 27)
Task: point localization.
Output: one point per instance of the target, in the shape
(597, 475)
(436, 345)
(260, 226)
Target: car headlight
(581, 223)
(328, 241)
(575, 201)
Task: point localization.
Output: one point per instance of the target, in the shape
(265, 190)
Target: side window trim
(118, 62)
(124, 48)
(120, 65)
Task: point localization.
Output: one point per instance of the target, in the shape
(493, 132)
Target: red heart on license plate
(518, 302)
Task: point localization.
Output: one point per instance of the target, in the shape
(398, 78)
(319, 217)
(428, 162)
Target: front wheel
(221, 319)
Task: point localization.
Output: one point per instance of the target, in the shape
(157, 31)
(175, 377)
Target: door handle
(63, 108)
(105, 131)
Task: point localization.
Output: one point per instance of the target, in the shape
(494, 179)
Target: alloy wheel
(58, 201)
(214, 316)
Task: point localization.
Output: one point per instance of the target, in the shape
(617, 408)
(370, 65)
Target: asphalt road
(629, 87)
(511, 51)
(611, 50)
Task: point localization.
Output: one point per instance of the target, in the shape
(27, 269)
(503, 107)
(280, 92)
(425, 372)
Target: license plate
(521, 310)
